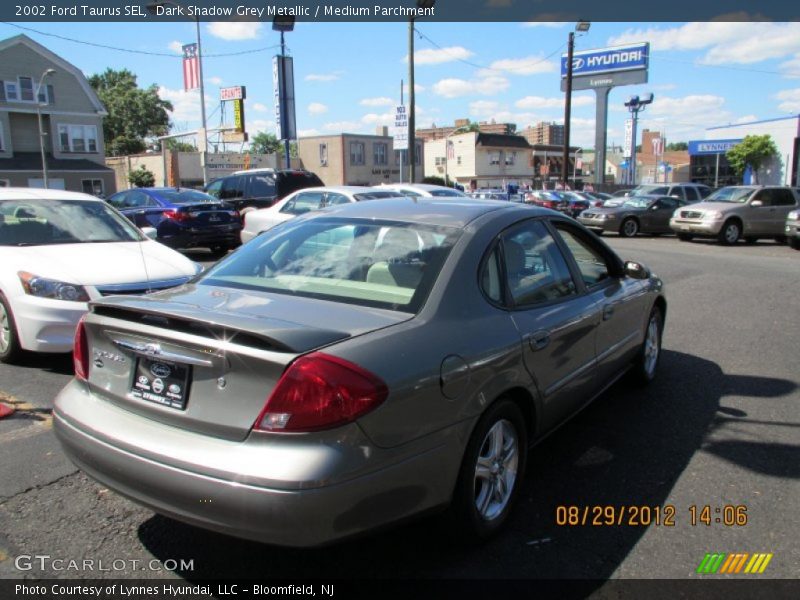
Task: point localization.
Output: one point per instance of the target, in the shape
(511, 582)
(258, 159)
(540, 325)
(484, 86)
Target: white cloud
(344, 126)
(530, 65)
(687, 117)
(214, 80)
(259, 125)
(437, 56)
(176, 46)
(547, 24)
(317, 108)
(540, 102)
(235, 30)
(324, 77)
(259, 107)
(746, 119)
(727, 42)
(790, 100)
(417, 88)
(186, 105)
(382, 101)
(307, 132)
(791, 68)
(485, 86)
(379, 119)
(483, 108)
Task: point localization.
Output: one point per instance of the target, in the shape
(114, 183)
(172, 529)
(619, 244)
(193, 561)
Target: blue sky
(348, 75)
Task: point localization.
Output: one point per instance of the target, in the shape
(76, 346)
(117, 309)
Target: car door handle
(608, 311)
(539, 340)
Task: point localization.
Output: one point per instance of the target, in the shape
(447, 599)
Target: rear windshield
(377, 195)
(182, 197)
(650, 189)
(447, 193)
(731, 194)
(382, 264)
(35, 222)
(291, 181)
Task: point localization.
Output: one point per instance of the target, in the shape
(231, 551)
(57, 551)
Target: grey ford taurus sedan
(356, 366)
(636, 214)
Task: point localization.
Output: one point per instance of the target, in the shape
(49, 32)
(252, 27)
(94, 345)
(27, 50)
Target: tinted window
(447, 193)
(377, 195)
(214, 188)
(590, 261)
(117, 200)
(670, 203)
(491, 277)
(535, 269)
(766, 197)
(232, 188)
(677, 191)
(692, 194)
(384, 264)
(261, 186)
(291, 181)
(783, 198)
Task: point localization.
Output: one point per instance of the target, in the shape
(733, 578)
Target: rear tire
(780, 239)
(646, 364)
(730, 233)
(685, 237)
(10, 350)
(629, 227)
(794, 243)
(492, 471)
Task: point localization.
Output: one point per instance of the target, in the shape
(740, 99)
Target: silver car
(735, 212)
(358, 365)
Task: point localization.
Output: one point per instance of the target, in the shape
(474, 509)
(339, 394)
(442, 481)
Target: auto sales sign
(608, 60)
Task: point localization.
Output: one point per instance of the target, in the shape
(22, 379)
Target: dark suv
(260, 188)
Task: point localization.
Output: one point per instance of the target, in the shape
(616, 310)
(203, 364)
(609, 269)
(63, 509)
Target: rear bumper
(246, 489)
(229, 236)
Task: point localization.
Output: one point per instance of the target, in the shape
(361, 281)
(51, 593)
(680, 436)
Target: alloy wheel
(651, 346)
(496, 469)
(5, 329)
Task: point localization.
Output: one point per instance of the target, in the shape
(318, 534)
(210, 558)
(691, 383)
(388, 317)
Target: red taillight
(177, 215)
(548, 203)
(320, 391)
(80, 351)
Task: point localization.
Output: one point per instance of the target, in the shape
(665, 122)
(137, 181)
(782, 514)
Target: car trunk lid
(206, 358)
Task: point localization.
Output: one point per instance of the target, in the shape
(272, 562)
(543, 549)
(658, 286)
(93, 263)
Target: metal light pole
(42, 133)
(582, 27)
(636, 105)
(412, 111)
(152, 8)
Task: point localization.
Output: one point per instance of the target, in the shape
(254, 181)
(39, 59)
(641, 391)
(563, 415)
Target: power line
(132, 51)
(477, 66)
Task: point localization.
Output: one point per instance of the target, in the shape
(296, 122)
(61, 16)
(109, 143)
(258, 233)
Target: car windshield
(649, 189)
(182, 197)
(36, 222)
(730, 194)
(637, 203)
(370, 263)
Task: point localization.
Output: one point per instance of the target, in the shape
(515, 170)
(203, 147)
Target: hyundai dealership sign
(608, 60)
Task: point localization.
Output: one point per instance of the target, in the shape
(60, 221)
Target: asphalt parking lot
(719, 427)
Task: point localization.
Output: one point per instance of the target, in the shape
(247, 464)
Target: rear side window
(261, 186)
(692, 194)
(232, 188)
(303, 203)
(783, 197)
(291, 181)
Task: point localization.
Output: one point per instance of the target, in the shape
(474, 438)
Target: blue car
(182, 217)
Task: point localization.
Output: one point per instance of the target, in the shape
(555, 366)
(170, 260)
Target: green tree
(134, 114)
(753, 151)
(677, 147)
(141, 177)
(176, 146)
(265, 143)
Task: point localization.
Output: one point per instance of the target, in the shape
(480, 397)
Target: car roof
(419, 186)
(428, 211)
(23, 193)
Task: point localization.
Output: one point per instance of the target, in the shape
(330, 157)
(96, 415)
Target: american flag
(191, 67)
(451, 150)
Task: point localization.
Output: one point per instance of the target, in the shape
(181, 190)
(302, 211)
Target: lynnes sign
(699, 148)
(608, 60)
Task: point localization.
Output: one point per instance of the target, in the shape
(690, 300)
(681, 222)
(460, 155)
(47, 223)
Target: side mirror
(150, 232)
(757, 203)
(636, 270)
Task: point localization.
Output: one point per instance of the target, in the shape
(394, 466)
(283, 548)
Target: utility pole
(568, 110)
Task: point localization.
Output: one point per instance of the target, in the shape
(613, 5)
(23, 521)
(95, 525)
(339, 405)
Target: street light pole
(635, 105)
(42, 133)
(412, 111)
(568, 109)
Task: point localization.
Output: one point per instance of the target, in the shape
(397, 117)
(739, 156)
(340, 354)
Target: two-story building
(481, 160)
(357, 159)
(72, 122)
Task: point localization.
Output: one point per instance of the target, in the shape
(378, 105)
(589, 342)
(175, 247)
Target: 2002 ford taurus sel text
(355, 366)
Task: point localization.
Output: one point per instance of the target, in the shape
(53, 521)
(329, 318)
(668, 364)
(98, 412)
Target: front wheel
(491, 471)
(10, 350)
(629, 228)
(794, 243)
(730, 233)
(685, 237)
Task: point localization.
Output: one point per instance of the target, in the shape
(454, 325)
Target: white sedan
(425, 190)
(58, 251)
(306, 200)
